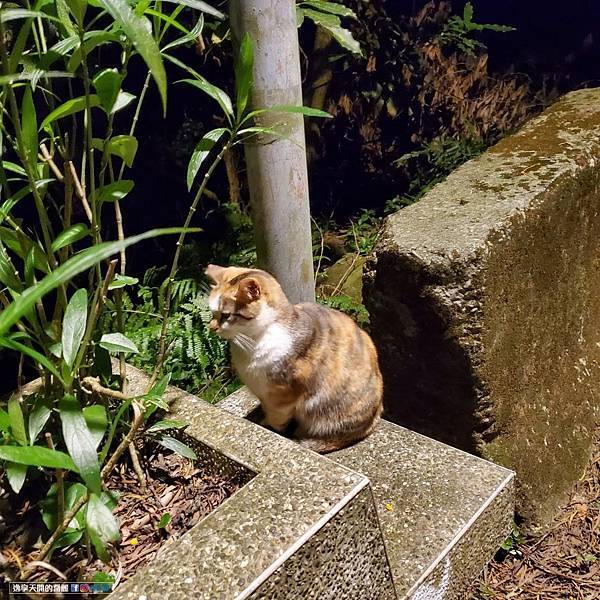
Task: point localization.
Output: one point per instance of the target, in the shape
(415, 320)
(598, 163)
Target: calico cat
(307, 363)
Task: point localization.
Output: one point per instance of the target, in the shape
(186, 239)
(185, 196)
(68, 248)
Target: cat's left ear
(214, 272)
(248, 291)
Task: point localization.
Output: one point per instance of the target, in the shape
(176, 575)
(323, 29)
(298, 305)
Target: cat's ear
(214, 272)
(248, 291)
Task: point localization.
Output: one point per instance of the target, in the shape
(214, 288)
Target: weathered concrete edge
(462, 537)
(307, 476)
(474, 199)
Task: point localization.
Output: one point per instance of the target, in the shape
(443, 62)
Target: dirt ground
(562, 564)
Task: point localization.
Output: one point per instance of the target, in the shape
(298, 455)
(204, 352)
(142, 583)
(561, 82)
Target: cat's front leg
(279, 412)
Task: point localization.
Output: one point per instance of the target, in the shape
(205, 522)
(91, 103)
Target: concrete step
(443, 513)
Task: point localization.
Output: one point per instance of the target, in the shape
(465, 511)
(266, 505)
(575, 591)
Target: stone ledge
(247, 547)
(443, 513)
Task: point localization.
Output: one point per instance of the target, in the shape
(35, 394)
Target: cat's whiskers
(244, 342)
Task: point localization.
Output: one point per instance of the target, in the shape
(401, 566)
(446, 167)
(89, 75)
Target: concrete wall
(485, 304)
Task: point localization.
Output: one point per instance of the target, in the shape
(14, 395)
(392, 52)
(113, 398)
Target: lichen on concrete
(484, 304)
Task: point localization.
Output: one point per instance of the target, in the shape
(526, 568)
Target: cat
(308, 364)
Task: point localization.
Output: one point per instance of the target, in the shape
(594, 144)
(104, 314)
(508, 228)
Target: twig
(138, 419)
(48, 567)
(93, 383)
(137, 467)
(60, 487)
(79, 190)
(48, 158)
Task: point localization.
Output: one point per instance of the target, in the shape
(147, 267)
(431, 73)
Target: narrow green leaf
(162, 425)
(153, 399)
(70, 107)
(69, 269)
(12, 14)
(17, 423)
(107, 84)
(27, 351)
(16, 474)
(201, 151)
(96, 420)
(78, 9)
(137, 29)
(213, 91)
(29, 126)
(177, 446)
(307, 111)
(243, 74)
(9, 276)
(37, 456)
(123, 146)
(79, 442)
(193, 35)
(117, 342)
(199, 5)
(115, 191)
(69, 236)
(11, 166)
(73, 326)
(38, 418)
(28, 76)
(330, 7)
(120, 281)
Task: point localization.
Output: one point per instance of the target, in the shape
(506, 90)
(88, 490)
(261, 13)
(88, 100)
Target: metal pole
(276, 166)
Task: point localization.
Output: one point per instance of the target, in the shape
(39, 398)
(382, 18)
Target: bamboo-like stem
(48, 158)
(135, 461)
(80, 191)
(166, 305)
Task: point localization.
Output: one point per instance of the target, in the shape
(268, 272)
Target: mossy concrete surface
(485, 304)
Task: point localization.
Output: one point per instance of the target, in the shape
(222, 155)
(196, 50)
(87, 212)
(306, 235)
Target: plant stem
(166, 305)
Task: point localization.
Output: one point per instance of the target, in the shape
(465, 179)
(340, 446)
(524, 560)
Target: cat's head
(243, 301)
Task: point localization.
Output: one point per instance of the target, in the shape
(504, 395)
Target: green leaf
(117, 342)
(69, 236)
(69, 269)
(162, 425)
(468, 13)
(70, 107)
(17, 423)
(79, 442)
(101, 525)
(29, 127)
(37, 456)
(11, 166)
(38, 418)
(16, 474)
(29, 75)
(73, 326)
(102, 577)
(12, 14)
(34, 354)
(177, 446)
(4, 421)
(213, 91)
(193, 35)
(201, 151)
(9, 276)
(124, 99)
(332, 24)
(115, 191)
(243, 74)
(120, 281)
(107, 84)
(330, 7)
(96, 420)
(164, 520)
(154, 396)
(137, 29)
(123, 146)
(307, 111)
(78, 9)
(199, 5)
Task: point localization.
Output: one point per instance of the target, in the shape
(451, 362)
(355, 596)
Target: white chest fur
(270, 348)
